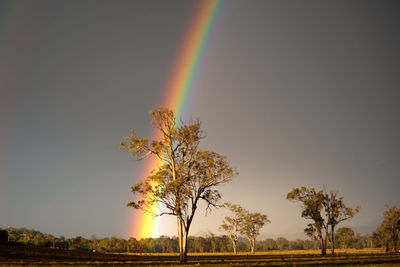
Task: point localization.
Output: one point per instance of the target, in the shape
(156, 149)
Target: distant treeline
(165, 244)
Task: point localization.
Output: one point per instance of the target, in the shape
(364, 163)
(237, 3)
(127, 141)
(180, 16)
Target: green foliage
(282, 243)
(325, 210)
(252, 224)
(233, 225)
(388, 232)
(312, 202)
(266, 245)
(243, 222)
(165, 244)
(39, 240)
(345, 236)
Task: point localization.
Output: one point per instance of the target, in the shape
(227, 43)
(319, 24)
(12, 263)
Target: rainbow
(179, 90)
(16, 19)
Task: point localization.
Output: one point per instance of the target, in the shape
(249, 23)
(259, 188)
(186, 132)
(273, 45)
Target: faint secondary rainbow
(179, 90)
(16, 20)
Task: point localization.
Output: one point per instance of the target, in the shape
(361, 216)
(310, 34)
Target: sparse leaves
(243, 222)
(185, 173)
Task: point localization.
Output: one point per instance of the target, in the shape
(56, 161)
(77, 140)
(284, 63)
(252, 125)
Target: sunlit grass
(275, 252)
(39, 256)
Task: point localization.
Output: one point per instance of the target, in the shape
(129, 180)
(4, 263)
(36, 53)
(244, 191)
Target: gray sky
(293, 92)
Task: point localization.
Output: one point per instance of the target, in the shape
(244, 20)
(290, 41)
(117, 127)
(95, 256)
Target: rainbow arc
(180, 89)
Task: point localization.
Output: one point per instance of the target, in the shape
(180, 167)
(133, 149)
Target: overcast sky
(293, 92)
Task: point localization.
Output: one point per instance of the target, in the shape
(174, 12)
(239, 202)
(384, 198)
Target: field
(17, 255)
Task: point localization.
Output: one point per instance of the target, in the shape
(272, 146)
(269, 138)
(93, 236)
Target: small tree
(185, 174)
(232, 225)
(336, 212)
(312, 205)
(252, 223)
(326, 210)
(243, 222)
(76, 242)
(345, 237)
(282, 243)
(382, 236)
(389, 229)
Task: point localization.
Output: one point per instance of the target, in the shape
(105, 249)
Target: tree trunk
(323, 246)
(332, 247)
(180, 239)
(253, 242)
(325, 241)
(332, 239)
(234, 245)
(183, 256)
(183, 241)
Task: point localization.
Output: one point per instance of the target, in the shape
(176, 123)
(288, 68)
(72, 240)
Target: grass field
(18, 255)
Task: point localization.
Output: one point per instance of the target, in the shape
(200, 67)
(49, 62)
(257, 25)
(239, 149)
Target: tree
(312, 204)
(184, 176)
(223, 243)
(326, 210)
(251, 226)
(266, 245)
(39, 240)
(388, 231)
(282, 243)
(382, 236)
(232, 225)
(3, 235)
(51, 240)
(369, 241)
(311, 244)
(76, 242)
(199, 244)
(134, 246)
(166, 244)
(345, 237)
(270, 244)
(297, 245)
(336, 212)
(243, 222)
(210, 239)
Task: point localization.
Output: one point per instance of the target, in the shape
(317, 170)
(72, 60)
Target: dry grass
(35, 256)
(274, 252)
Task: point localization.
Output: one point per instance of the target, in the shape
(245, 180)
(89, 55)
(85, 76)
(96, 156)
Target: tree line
(197, 244)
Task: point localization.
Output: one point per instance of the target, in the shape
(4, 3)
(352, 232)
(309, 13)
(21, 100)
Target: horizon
(204, 234)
